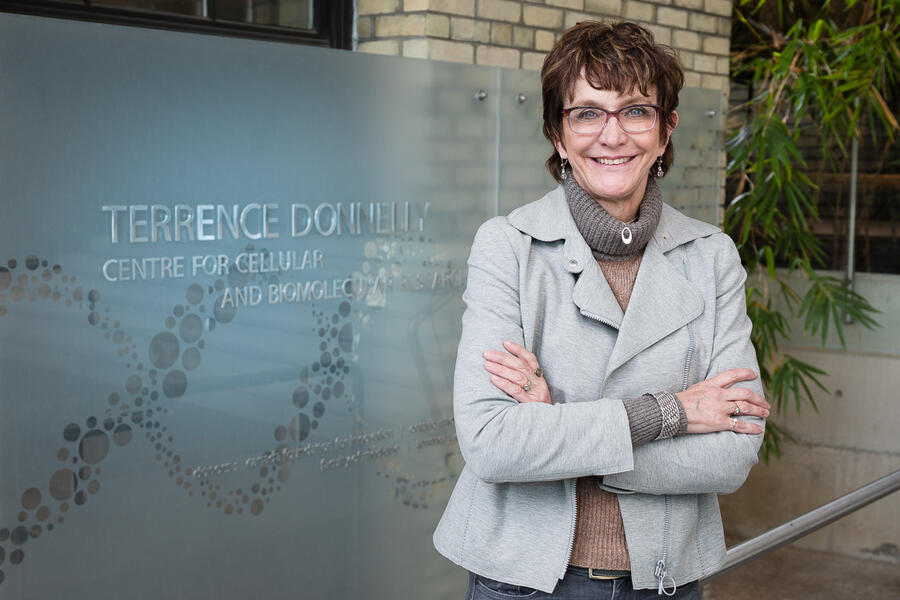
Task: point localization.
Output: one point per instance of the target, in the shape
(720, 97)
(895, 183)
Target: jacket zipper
(602, 320)
(690, 351)
(688, 358)
(660, 570)
(571, 529)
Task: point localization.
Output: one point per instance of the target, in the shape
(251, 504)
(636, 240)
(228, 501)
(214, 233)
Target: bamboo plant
(828, 69)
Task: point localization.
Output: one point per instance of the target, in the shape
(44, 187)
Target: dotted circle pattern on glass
(172, 351)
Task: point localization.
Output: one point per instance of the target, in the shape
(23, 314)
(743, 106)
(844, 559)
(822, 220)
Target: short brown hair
(613, 56)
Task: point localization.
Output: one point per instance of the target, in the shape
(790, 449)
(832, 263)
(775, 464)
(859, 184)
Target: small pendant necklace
(626, 232)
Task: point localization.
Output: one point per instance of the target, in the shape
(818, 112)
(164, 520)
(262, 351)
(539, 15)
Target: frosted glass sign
(229, 305)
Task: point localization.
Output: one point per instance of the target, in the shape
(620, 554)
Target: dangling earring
(562, 168)
(659, 170)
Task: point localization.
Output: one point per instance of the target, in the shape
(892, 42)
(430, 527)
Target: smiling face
(612, 166)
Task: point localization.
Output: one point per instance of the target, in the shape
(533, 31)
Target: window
(317, 22)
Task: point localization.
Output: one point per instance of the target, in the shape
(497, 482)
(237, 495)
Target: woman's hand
(517, 373)
(713, 405)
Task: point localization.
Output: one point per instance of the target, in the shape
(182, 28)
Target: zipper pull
(661, 575)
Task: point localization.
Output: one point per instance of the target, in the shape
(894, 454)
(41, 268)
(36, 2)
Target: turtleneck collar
(605, 234)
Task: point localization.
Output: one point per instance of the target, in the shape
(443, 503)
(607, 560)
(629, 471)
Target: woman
(597, 439)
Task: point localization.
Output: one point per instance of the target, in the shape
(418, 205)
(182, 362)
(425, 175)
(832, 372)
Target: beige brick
(364, 27)
(572, 18)
(417, 48)
(437, 25)
(538, 16)
(501, 34)
(470, 29)
(718, 7)
(714, 82)
(723, 66)
(399, 26)
(533, 61)
(482, 31)
(693, 4)
(716, 45)
(391, 47)
(662, 35)
(462, 29)
(604, 7)
(725, 27)
(705, 63)
(523, 37)
(673, 17)
(639, 11)
(686, 58)
(573, 4)
(706, 23)
(497, 57)
(686, 39)
(375, 7)
(691, 79)
(456, 7)
(450, 51)
(500, 10)
(544, 40)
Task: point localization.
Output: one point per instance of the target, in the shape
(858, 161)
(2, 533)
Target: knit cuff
(674, 419)
(644, 419)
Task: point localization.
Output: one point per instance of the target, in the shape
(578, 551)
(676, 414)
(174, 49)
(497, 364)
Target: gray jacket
(533, 279)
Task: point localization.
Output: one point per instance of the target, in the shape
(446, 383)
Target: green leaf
(773, 440)
(770, 261)
(826, 301)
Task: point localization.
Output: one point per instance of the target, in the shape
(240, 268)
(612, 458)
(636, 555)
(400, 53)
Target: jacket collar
(549, 220)
(662, 300)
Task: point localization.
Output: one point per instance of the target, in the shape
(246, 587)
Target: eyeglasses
(636, 118)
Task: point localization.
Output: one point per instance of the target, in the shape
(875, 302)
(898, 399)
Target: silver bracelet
(668, 406)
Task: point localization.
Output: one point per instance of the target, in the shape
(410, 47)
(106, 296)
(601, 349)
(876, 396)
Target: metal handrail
(803, 525)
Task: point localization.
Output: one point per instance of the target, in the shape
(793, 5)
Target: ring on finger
(733, 424)
(527, 385)
(737, 410)
(539, 372)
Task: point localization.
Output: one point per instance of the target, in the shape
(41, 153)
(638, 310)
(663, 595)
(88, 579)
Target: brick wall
(518, 33)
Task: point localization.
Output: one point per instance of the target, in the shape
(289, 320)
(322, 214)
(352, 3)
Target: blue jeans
(575, 586)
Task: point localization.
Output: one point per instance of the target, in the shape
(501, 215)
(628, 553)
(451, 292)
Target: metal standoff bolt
(521, 98)
(710, 113)
(480, 95)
